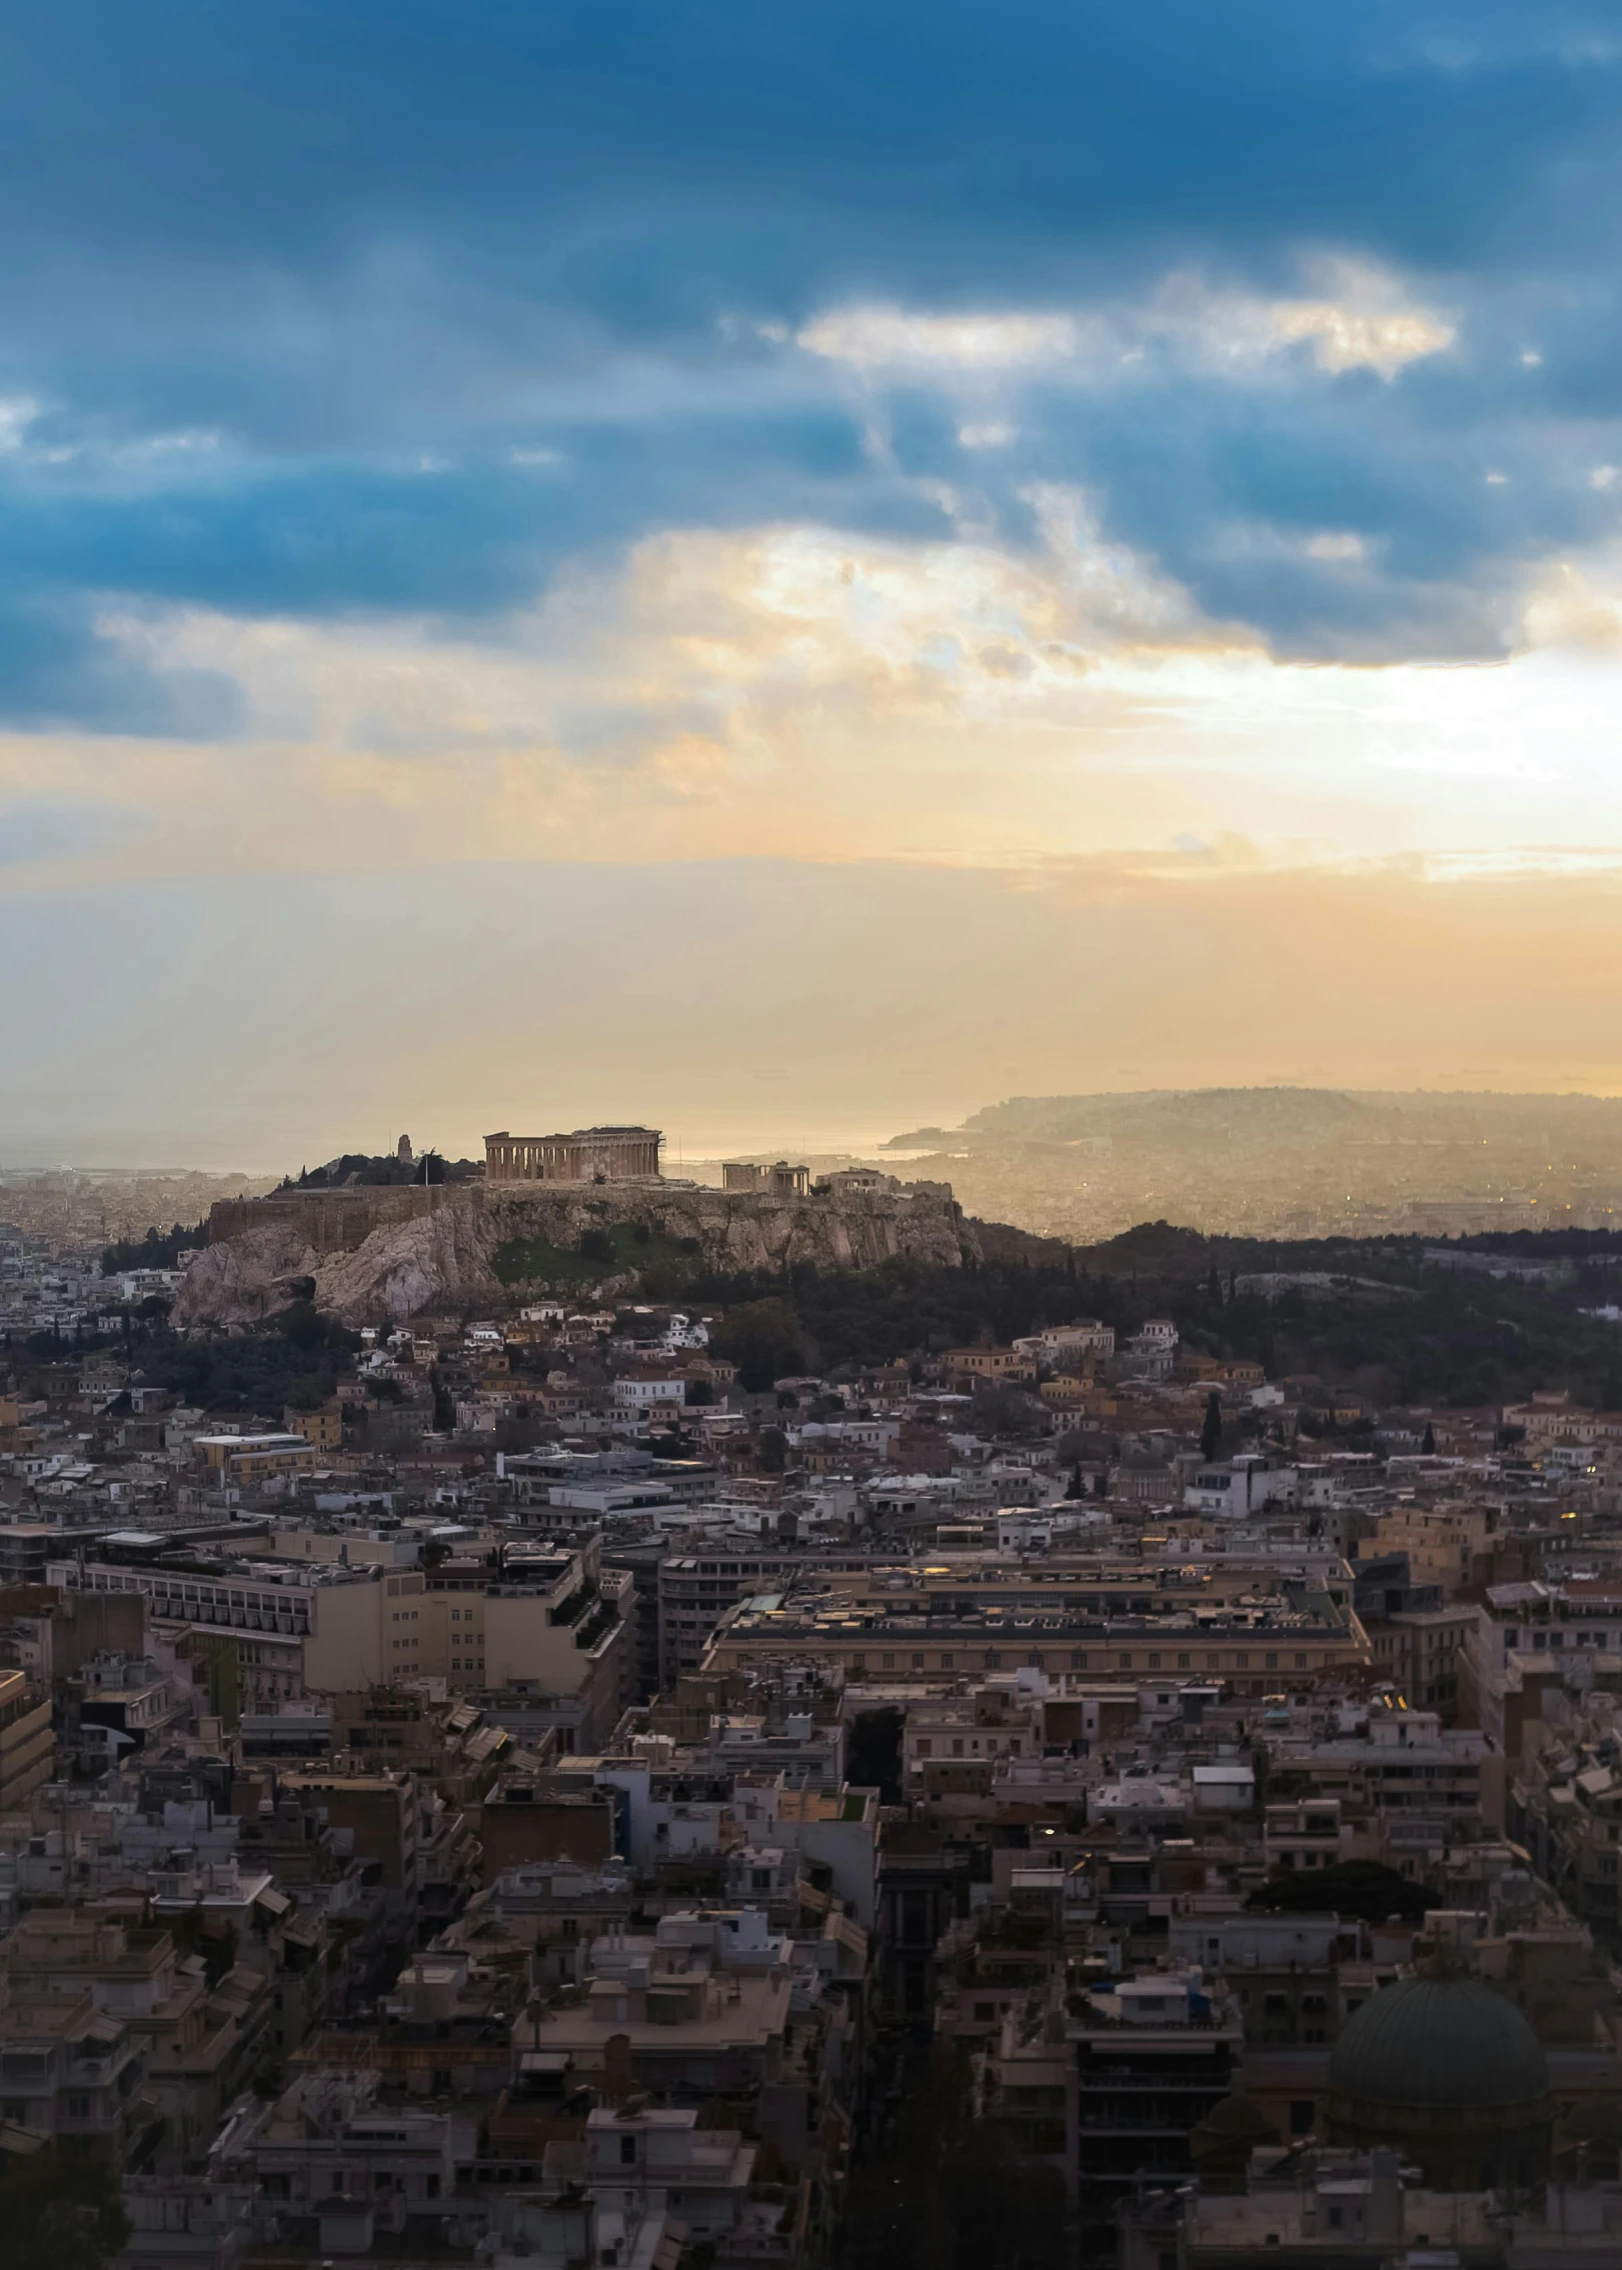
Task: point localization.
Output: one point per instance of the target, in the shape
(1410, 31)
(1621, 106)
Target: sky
(790, 571)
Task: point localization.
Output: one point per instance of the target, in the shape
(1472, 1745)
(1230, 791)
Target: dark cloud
(379, 248)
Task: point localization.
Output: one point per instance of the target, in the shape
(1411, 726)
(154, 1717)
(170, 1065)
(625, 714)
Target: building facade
(590, 1154)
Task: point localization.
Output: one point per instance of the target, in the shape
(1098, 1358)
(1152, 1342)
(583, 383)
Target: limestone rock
(370, 1265)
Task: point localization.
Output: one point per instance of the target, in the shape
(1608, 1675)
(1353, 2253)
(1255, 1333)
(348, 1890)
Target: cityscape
(552, 1712)
(811, 1135)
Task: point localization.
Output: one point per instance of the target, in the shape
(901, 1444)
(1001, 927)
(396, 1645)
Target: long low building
(911, 1625)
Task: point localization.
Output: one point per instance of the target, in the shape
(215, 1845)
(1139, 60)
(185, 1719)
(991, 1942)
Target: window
(628, 2151)
(1183, 1662)
(1154, 1660)
(1301, 1662)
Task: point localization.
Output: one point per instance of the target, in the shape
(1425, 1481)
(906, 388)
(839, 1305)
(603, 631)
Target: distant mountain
(1288, 1162)
(1174, 1115)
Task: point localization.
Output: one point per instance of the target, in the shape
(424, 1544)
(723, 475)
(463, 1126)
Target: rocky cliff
(490, 1249)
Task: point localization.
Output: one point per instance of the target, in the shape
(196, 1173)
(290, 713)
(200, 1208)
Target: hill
(371, 1255)
(1284, 1162)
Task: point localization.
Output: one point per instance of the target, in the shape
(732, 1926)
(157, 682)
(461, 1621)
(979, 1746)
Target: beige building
(1255, 1651)
(1449, 1545)
(322, 1430)
(247, 1459)
(552, 1623)
(1419, 1651)
(27, 1745)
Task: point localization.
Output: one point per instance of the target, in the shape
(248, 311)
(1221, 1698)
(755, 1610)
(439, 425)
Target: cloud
(1339, 546)
(1349, 339)
(894, 339)
(1075, 435)
(1370, 323)
(791, 690)
(35, 833)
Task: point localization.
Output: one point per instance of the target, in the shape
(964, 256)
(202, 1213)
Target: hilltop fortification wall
(328, 1221)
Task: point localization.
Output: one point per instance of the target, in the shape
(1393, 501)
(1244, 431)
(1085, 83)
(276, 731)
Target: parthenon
(590, 1154)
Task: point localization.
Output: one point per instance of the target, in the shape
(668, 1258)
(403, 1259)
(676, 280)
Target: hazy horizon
(687, 1150)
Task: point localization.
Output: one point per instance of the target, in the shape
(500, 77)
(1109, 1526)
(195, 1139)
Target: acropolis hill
(389, 1253)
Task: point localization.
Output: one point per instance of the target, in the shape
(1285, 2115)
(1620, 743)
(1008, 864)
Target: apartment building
(27, 1744)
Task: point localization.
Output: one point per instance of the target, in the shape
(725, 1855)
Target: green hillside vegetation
(1394, 1322)
(664, 1264)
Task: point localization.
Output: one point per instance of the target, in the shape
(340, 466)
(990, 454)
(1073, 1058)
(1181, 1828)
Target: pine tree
(1428, 1446)
(1211, 1432)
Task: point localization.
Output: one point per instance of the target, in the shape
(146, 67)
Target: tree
(1428, 1446)
(873, 1756)
(764, 1339)
(1211, 1432)
(302, 1322)
(1213, 1286)
(61, 2211)
(596, 1245)
(1364, 1888)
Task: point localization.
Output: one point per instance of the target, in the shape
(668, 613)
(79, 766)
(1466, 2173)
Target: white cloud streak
(1360, 318)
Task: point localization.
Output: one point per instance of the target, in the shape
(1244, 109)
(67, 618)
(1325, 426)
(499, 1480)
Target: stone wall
(328, 1221)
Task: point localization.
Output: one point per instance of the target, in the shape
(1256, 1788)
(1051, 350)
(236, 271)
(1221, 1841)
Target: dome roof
(1439, 2041)
(1233, 2122)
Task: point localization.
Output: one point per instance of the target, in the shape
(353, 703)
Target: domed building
(1447, 2071)
(1224, 2139)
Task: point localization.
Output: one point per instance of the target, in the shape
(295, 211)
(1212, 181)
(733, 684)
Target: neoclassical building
(590, 1154)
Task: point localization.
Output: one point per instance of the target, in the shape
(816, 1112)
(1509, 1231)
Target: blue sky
(1177, 445)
